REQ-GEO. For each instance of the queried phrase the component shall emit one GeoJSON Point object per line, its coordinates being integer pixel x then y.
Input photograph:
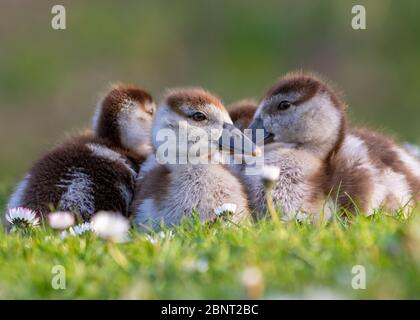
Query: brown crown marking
{"type": "Point", "coordinates": [243, 108]}
{"type": "Point", "coordinates": [112, 105]}
{"type": "Point", "coordinates": [195, 97]}
{"type": "Point", "coordinates": [242, 112]}
{"type": "Point", "coordinates": [306, 83]}
{"type": "Point", "coordinates": [120, 93]}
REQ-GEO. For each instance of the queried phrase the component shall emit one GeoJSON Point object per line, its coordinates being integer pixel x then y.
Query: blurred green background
{"type": "Point", "coordinates": [50, 80]}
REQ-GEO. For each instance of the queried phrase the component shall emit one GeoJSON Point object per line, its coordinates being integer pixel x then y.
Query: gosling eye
{"type": "Point", "coordinates": [199, 116]}
{"type": "Point", "coordinates": [284, 105]}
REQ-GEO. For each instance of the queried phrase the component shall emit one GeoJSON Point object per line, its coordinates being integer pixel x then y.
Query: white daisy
{"type": "Point", "coordinates": [225, 208]}
{"type": "Point", "coordinates": [161, 235]}
{"type": "Point", "coordinates": [253, 281]}
{"type": "Point", "coordinates": [251, 276]}
{"type": "Point", "coordinates": [301, 216]}
{"type": "Point", "coordinates": [81, 228]}
{"type": "Point", "coordinates": [200, 265]}
{"type": "Point", "coordinates": [270, 173]}
{"type": "Point", "coordinates": [22, 217]}
{"type": "Point", "coordinates": [77, 230]}
{"type": "Point", "coordinates": [166, 234]}
{"type": "Point", "coordinates": [153, 240]}
{"type": "Point", "coordinates": [61, 220]}
{"type": "Point", "coordinates": [63, 235]}
{"type": "Point", "coordinates": [111, 226]}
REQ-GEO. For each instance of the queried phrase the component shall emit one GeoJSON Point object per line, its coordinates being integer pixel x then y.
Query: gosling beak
{"type": "Point", "coordinates": [259, 133]}
{"type": "Point", "coordinates": [233, 140]}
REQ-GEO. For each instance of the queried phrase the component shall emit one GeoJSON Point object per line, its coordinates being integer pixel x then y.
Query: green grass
{"type": "Point", "coordinates": [203, 261]}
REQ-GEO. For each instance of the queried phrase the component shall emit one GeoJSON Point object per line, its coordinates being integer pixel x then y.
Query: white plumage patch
{"type": "Point", "coordinates": [385, 182]}
{"type": "Point", "coordinates": [16, 198]}
{"type": "Point", "coordinates": [397, 185]}
{"type": "Point", "coordinates": [78, 194]}
{"type": "Point", "coordinates": [355, 150]}
{"type": "Point", "coordinates": [357, 155]}
{"type": "Point", "coordinates": [412, 164]}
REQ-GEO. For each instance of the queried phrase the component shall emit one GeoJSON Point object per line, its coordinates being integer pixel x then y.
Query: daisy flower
{"type": "Point", "coordinates": [200, 265]}
{"type": "Point", "coordinates": [81, 228]}
{"type": "Point", "coordinates": [77, 230]}
{"type": "Point", "coordinates": [301, 216]}
{"type": "Point", "coordinates": [160, 236]}
{"type": "Point", "coordinates": [153, 240]}
{"type": "Point", "coordinates": [225, 208]}
{"type": "Point", "coordinates": [253, 281]}
{"type": "Point", "coordinates": [22, 217]}
{"type": "Point", "coordinates": [61, 220]}
{"type": "Point", "coordinates": [111, 226]}
{"type": "Point", "coordinates": [168, 234]}
{"type": "Point", "coordinates": [270, 173]}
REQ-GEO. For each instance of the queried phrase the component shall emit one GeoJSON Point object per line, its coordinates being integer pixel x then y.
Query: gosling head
{"type": "Point", "coordinates": [302, 110]}
{"type": "Point", "coordinates": [124, 116]}
{"type": "Point", "coordinates": [195, 122]}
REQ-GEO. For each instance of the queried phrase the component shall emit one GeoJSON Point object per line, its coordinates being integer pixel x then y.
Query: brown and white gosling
{"type": "Point", "coordinates": [322, 160]}
{"type": "Point", "coordinates": [96, 170]}
{"type": "Point", "coordinates": [170, 191]}
{"type": "Point", "coordinates": [242, 112]}
{"type": "Point", "coordinates": [302, 120]}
